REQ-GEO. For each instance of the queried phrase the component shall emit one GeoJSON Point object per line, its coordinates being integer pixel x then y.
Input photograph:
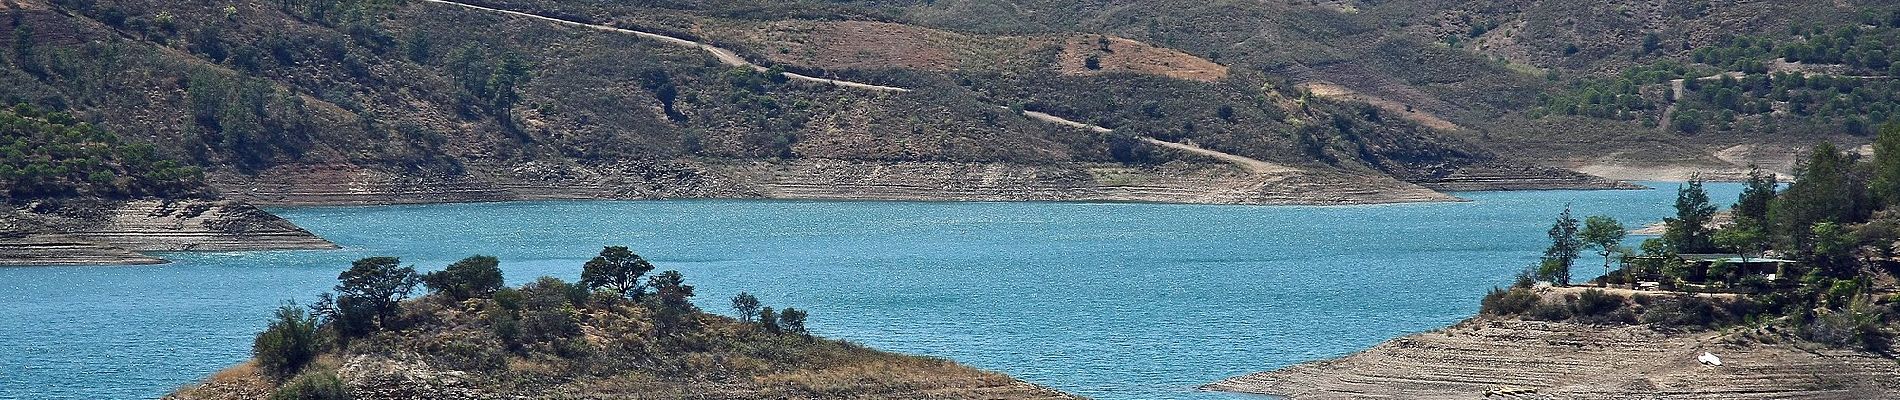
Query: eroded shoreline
{"type": "Point", "coordinates": [1565, 360]}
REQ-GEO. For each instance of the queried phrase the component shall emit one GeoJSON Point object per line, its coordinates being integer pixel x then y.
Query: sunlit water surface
{"type": "Point", "coordinates": [1112, 301]}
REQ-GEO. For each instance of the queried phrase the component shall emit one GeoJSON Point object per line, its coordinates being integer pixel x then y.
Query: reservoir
{"type": "Point", "coordinates": [1111, 301]}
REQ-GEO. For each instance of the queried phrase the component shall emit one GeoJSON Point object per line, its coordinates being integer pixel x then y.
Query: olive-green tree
{"type": "Point", "coordinates": [1757, 191]}
{"type": "Point", "coordinates": [746, 306]}
{"type": "Point", "coordinates": [1824, 190]}
{"type": "Point", "coordinates": [1886, 180]}
{"type": "Point", "coordinates": [768, 320]}
{"type": "Point", "coordinates": [792, 321]}
{"type": "Point", "coordinates": [1563, 251]}
{"type": "Point", "coordinates": [376, 285]}
{"type": "Point", "coordinates": [473, 277]}
{"type": "Point", "coordinates": [1603, 233]}
{"type": "Point", "coordinates": [617, 269]}
{"type": "Point", "coordinates": [1745, 237]}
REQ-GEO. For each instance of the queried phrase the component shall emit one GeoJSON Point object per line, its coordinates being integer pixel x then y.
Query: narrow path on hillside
{"type": "Point", "coordinates": [732, 58]}
{"type": "Point", "coordinates": [1252, 165]}
{"type": "Point", "coordinates": [725, 56]}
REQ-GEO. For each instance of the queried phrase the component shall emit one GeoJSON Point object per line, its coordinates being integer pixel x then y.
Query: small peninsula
{"type": "Point", "coordinates": [72, 193]}
{"type": "Point", "coordinates": [618, 332]}
{"type": "Point", "coordinates": [1792, 295]}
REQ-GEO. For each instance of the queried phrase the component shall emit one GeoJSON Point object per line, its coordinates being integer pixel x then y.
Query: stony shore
{"type": "Point", "coordinates": [1562, 360]}
{"type": "Point", "coordinates": [95, 232]}
{"type": "Point", "coordinates": [864, 180]}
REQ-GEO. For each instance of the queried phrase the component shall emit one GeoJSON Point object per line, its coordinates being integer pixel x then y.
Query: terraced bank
{"type": "Point", "coordinates": [1561, 360]}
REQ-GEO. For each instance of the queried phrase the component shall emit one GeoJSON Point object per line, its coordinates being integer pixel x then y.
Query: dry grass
{"type": "Point", "coordinates": [1128, 55]}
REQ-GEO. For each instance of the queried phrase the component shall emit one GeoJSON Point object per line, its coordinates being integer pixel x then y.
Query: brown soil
{"type": "Point", "coordinates": [862, 45]}
{"type": "Point", "coordinates": [1128, 55]}
{"type": "Point", "coordinates": [1421, 117]}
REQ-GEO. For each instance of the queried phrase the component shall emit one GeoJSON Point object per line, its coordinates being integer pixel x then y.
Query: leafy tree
{"type": "Point", "coordinates": [746, 305]}
{"type": "Point", "coordinates": [1886, 181]}
{"type": "Point", "coordinates": [288, 344]}
{"type": "Point", "coordinates": [377, 285]}
{"type": "Point", "coordinates": [473, 277]}
{"type": "Point", "coordinates": [1745, 237]}
{"type": "Point", "coordinates": [1603, 233]}
{"type": "Point", "coordinates": [792, 321]}
{"type": "Point", "coordinates": [1833, 249]}
{"type": "Point", "coordinates": [1563, 251]}
{"type": "Point", "coordinates": [1757, 191]}
{"type": "Point", "coordinates": [1688, 232]}
{"type": "Point", "coordinates": [618, 269]}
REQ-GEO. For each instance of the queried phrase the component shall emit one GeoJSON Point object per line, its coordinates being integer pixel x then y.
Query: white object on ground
{"type": "Point", "coordinates": [1709, 359]}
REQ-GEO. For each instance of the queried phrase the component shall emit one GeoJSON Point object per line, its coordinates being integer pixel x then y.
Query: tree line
{"type": "Point", "coordinates": [1838, 222]}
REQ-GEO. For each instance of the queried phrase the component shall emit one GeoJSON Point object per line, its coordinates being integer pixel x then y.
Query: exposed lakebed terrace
{"type": "Point", "coordinates": [1111, 301]}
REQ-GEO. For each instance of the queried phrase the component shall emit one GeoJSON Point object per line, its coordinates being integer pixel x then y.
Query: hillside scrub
{"type": "Point", "coordinates": [1852, 89]}
{"type": "Point", "coordinates": [51, 155]}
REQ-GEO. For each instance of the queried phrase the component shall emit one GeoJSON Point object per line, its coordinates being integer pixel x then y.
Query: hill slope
{"type": "Point", "coordinates": [333, 101]}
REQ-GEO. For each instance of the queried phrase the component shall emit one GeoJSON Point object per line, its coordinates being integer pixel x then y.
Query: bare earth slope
{"type": "Point", "coordinates": [1562, 360]}
{"type": "Point", "coordinates": [114, 232]}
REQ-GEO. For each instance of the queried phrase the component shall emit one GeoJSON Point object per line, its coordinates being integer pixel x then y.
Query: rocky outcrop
{"type": "Point", "coordinates": [1561, 360]}
{"type": "Point", "coordinates": [100, 232]}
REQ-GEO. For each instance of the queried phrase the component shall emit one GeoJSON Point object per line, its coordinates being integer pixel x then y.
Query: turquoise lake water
{"type": "Point", "coordinates": [1112, 301]}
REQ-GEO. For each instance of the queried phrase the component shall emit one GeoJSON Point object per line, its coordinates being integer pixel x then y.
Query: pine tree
{"type": "Point", "coordinates": [1689, 232]}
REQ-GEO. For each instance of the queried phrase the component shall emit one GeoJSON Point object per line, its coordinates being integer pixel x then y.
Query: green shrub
{"type": "Point", "coordinates": [1596, 302]}
{"type": "Point", "coordinates": [314, 385]}
{"type": "Point", "coordinates": [1682, 311]}
{"type": "Point", "coordinates": [288, 344]}
{"type": "Point", "coordinates": [1508, 302]}
{"type": "Point", "coordinates": [1861, 326]}
{"type": "Point", "coordinates": [508, 298]}
{"type": "Point", "coordinates": [547, 310]}
{"type": "Point", "coordinates": [1549, 311]}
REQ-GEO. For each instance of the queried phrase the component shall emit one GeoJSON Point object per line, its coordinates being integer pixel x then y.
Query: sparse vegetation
{"type": "Point", "coordinates": [539, 338]}
{"type": "Point", "coordinates": [52, 155]}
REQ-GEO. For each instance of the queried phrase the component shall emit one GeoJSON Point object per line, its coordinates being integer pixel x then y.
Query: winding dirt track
{"type": "Point", "coordinates": [725, 56]}
{"type": "Point", "coordinates": [1252, 165]}
{"type": "Point", "coordinates": [732, 58]}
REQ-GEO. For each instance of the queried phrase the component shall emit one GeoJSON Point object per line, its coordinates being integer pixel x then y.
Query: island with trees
{"type": "Point", "coordinates": [618, 332]}
{"type": "Point", "coordinates": [1790, 293]}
